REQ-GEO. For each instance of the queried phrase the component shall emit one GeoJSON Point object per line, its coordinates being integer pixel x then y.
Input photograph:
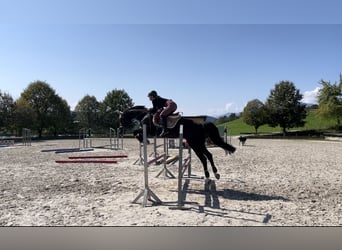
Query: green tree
{"type": "Point", "coordinates": [284, 108]}
{"type": "Point", "coordinates": [330, 100]}
{"type": "Point", "coordinates": [7, 107]}
{"type": "Point", "coordinates": [87, 112]}
{"type": "Point", "coordinates": [44, 102]}
{"type": "Point", "coordinates": [115, 102]}
{"type": "Point", "coordinates": [254, 114]}
{"type": "Point", "coordinates": [59, 115]}
{"type": "Point", "coordinates": [24, 116]}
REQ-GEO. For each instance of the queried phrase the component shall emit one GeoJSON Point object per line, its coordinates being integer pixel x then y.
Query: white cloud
{"type": "Point", "coordinates": [229, 107]}
{"type": "Point", "coordinates": [311, 96]}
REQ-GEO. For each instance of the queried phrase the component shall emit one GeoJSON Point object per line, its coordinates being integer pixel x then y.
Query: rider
{"type": "Point", "coordinates": [166, 106]}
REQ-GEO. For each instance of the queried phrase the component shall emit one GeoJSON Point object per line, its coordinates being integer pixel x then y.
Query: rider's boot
{"type": "Point", "coordinates": [164, 125]}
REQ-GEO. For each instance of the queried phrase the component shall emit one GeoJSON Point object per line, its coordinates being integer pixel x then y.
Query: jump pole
{"type": "Point", "coordinates": [73, 150]}
{"type": "Point", "coordinates": [98, 157]}
{"type": "Point", "coordinates": [26, 133]}
{"type": "Point", "coordinates": [180, 167]}
{"type": "Point", "coordinates": [165, 170]}
{"type": "Point", "coordinates": [140, 160]}
{"type": "Point", "coordinates": [114, 138]}
{"type": "Point", "coordinates": [146, 193]}
{"type": "Point", "coordinates": [85, 161]}
{"type": "Point", "coordinates": [187, 164]}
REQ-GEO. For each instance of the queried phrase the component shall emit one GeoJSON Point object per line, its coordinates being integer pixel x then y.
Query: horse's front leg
{"type": "Point", "coordinates": [138, 133]}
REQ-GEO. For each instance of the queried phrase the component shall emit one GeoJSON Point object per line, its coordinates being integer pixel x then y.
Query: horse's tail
{"type": "Point", "coordinates": [214, 135]}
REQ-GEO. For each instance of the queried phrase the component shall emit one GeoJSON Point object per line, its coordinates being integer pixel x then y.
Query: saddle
{"type": "Point", "coordinates": [171, 120]}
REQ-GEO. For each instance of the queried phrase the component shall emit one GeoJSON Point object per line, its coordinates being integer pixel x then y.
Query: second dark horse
{"type": "Point", "coordinates": [194, 133]}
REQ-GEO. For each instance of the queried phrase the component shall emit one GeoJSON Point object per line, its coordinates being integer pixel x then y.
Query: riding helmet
{"type": "Point", "coordinates": [153, 93]}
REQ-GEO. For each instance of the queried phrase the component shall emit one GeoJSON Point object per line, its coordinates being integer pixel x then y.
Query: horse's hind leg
{"type": "Point", "coordinates": [203, 154]}
{"type": "Point", "coordinates": [203, 159]}
{"type": "Point", "coordinates": [211, 160]}
{"type": "Point", "coordinates": [229, 149]}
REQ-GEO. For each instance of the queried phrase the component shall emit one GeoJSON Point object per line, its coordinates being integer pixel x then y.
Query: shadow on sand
{"type": "Point", "coordinates": [210, 191]}
{"type": "Point", "coordinates": [212, 202]}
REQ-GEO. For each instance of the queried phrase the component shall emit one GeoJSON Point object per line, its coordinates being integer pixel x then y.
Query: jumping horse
{"type": "Point", "coordinates": [194, 133]}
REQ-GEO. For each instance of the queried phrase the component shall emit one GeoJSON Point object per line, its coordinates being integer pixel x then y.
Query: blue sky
{"type": "Point", "coordinates": [211, 57]}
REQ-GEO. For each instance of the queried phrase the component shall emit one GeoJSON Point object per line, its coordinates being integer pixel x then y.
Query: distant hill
{"type": "Point", "coordinates": [226, 114]}
{"type": "Point", "coordinates": [313, 122]}
{"type": "Point", "coordinates": [211, 118]}
{"type": "Point", "coordinates": [309, 105]}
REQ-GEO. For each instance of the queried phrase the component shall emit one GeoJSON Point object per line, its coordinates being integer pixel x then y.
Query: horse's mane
{"type": "Point", "coordinates": [137, 107]}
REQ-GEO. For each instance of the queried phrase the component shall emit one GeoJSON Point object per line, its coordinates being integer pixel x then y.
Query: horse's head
{"type": "Point", "coordinates": [131, 114]}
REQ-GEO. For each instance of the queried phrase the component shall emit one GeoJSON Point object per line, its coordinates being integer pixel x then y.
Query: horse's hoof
{"type": "Point", "coordinates": [230, 152]}
{"type": "Point", "coordinates": [206, 174]}
{"type": "Point", "coordinates": [217, 176]}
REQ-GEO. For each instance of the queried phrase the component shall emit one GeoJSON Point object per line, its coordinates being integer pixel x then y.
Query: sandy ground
{"type": "Point", "coordinates": [265, 183]}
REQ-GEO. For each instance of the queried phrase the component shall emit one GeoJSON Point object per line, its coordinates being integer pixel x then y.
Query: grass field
{"type": "Point", "coordinates": [313, 122]}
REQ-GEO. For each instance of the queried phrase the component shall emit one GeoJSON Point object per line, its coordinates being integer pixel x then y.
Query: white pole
{"type": "Point", "coordinates": [147, 192]}
{"type": "Point", "coordinates": [145, 156]}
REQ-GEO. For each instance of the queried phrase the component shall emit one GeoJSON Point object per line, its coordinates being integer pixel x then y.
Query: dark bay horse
{"type": "Point", "coordinates": [194, 133]}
